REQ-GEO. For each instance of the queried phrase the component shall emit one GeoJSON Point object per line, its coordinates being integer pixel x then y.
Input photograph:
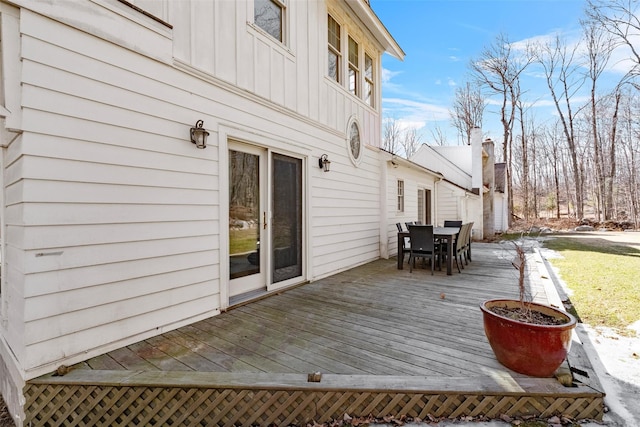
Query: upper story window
{"type": "Point", "coordinates": [350, 63]}
{"type": "Point", "coordinates": [335, 54]}
{"type": "Point", "coordinates": [369, 97]}
{"type": "Point", "coordinates": [269, 15]}
{"type": "Point", "coordinates": [354, 68]}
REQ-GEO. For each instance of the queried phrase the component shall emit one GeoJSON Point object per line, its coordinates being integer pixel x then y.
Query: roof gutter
{"type": "Point", "coordinates": [400, 161]}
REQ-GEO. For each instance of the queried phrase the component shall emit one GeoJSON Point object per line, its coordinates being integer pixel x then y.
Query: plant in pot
{"type": "Point", "coordinates": [529, 338]}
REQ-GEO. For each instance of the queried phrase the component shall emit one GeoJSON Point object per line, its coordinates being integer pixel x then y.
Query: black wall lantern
{"type": "Point", "coordinates": [199, 135]}
{"type": "Point", "coordinates": [324, 163]}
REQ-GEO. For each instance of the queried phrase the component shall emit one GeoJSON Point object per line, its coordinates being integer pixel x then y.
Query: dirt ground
{"type": "Point", "coordinates": [569, 225]}
{"type": "Point", "coordinates": [5, 418]}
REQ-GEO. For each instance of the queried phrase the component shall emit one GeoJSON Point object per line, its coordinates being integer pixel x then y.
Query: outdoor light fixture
{"type": "Point", "coordinates": [393, 161]}
{"type": "Point", "coordinates": [324, 163]}
{"type": "Point", "coordinates": [199, 135]}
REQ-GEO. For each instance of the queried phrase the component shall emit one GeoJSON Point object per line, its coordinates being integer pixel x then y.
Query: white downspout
{"type": "Point", "coordinates": [384, 217]}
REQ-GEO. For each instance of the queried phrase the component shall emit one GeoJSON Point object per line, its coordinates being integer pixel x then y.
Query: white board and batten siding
{"type": "Point", "coordinates": [343, 205]}
{"type": "Point", "coordinates": [115, 223]}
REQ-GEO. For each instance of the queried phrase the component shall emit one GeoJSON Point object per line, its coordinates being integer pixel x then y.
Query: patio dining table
{"type": "Point", "coordinates": [447, 234]}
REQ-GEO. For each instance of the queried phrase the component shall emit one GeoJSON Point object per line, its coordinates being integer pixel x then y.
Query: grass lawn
{"type": "Point", "coordinates": [243, 240]}
{"type": "Point", "coordinates": [603, 278]}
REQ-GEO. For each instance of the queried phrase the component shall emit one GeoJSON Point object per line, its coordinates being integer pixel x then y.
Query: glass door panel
{"type": "Point", "coordinates": [245, 226]}
{"type": "Point", "coordinates": [286, 230]}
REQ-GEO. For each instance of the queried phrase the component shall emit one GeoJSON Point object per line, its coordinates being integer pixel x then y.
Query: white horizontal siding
{"type": "Point", "coordinates": [47, 191]}
{"type": "Point", "coordinates": [449, 202]}
{"type": "Point", "coordinates": [96, 275]}
{"type": "Point", "coordinates": [14, 279]}
{"type": "Point", "coordinates": [113, 332]}
{"type": "Point", "coordinates": [93, 255]}
{"type": "Point", "coordinates": [58, 169]}
{"type": "Point", "coordinates": [44, 305]}
{"type": "Point", "coordinates": [12, 310]}
{"type": "Point", "coordinates": [413, 180]}
{"type": "Point", "coordinates": [159, 8]}
{"type": "Point", "coordinates": [70, 322]}
{"type": "Point", "coordinates": [59, 213]}
{"type": "Point", "coordinates": [345, 213]}
{"type": "Point", "coordinates": [105, 191]}
{"type": "Point", "coordinates": [60, 236]}
{"type": "Point", "coordinates": [115, 212]}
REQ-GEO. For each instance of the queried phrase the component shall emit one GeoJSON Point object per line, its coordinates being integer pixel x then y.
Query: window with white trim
{"type": "Point", "coordinates": [269, 15]}
{"type": "Point", "coordinates": [369, 93]}
{"type": "Point", "coordinates": [351, 61]}
{"type": "Point", "coordinates": [354, 67]}
{"type": "Point", "coordinates": [335, 53]}
{"type": "Point", "coordinates": [400, 195]}
{"type": "Point", "coordinates": [355, 144]}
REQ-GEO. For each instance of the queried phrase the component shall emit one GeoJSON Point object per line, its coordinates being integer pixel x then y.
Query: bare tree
{"type": "Point", "coordinates": [621, 19]}
{"type": "Point", "coordinates": [599, 46]}
{"type": "Point", "coordinates": [552, 152]}
{"type": "Point", "coordinates": [410, 141]}
{"type": "Point", "coordinates": [524, 150]}
{"type": "Point", "coordinates": [397, 140]}
{"type": "Point", "coordinates": [439, 138]}
{"type": "Point", "coordinates": [498, 69]}
{"type": "Point", "coordinates": [630, 153]}
{"type": "Point", "coordinates": [611, 173]}
{"type": "Point", "coordinates": [561, 70]}
{"type": "Point", "coordinates": [468, 109]}
{"type": "Point", "coordinates": [391, 135]}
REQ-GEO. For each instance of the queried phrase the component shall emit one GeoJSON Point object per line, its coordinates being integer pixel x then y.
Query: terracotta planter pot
{"type": "Point", "coordinates": [530, 349]}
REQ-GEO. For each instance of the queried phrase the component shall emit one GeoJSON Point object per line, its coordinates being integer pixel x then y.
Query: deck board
{"type": "Point", "coordinates": [369, 332]}
{"type": "Point", "coordinates": [373, 319]}
{"type": "Point", "coordinates": [395, 342]}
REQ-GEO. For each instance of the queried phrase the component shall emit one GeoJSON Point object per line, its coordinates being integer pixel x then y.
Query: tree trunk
{"type": "Point", "coordinates": [608, 210]}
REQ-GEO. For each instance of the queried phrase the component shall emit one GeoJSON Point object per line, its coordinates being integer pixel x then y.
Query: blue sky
{"type": "Point", "coordinates": [440, 37]}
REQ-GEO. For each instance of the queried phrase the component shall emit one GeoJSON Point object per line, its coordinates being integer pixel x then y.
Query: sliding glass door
{"type": "Point", "coordinates": [265, 218]}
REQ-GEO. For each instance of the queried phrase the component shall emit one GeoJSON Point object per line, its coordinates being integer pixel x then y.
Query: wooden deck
{"type": "Point", "coordinates": [385, 342]}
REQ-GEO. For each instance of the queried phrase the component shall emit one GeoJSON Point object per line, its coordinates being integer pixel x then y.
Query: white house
{"type": "Point", "coordinates": [467, 190]}
{"type": "Point", "coordinates": [411, 194]}
{"type": "Point", "coordinates": [442, 183]}
{"type": "Point", "coordinates": [114, 226]}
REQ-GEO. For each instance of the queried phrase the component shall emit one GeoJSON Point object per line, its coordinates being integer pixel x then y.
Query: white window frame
{"type": "Point", "coordinates": [283, 21]}
{"type": "Point", "coordinates": [351, 125]}
{"type": "Point", "coordinates": [337, 51]}
{"type": "Point", "coordinates": [369, 92]}
{"type": "Point", "coordinates": [400, 187]}
{"type": "Point", "coordinates": [353, 82]}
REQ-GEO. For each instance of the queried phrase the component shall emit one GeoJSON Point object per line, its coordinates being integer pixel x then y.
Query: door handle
{"type": "Point", "coordinates": [264, 220]}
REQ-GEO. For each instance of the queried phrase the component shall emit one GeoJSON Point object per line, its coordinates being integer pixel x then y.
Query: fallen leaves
{"type": "Point", "coordinates": [348, 420]}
